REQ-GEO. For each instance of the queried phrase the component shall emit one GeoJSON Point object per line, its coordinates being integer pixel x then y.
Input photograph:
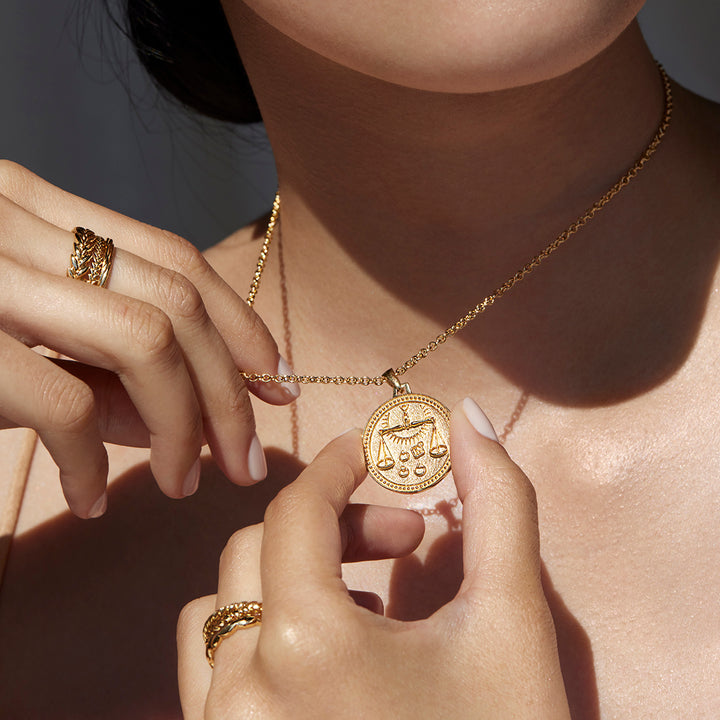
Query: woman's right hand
{"type": "Point", "coordinates": [321, 650]}
{"type": "Point", "coordinates": [153, 358]}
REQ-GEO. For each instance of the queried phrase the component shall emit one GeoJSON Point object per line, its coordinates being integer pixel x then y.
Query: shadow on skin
{"type": "Point", "coordinates": [576, 656]}
{"type": "Point", "coordinates": [595, 325]}
{"type": "Point", "coordinates": [418, 589]}
{"type": "Point", "coordinates": [90, 607]}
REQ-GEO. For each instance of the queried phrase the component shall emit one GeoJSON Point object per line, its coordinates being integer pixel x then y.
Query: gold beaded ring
{"type": "Point", "coordinates": [225, 621]}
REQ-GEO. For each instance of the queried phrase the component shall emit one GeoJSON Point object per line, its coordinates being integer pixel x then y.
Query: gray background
{"type": "Point", "coordinates": [67, 115]}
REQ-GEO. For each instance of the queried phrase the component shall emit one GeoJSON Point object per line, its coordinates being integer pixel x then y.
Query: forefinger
{"type": "Point", "coordinates": [302, 545]}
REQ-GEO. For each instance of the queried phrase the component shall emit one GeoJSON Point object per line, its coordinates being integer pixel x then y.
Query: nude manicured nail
{"type": "Point", "coordinates": [192, 480]}
{"type": "Point", "coordinates": [257, 465]}
{"type": "Point", "coordinates": [478, 419]}
{"type": "Point", "coordinates": [293, 389]}
{"type": "Point", "coordinates": [99, 508]}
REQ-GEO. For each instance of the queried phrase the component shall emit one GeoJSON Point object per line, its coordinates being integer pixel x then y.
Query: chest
{"type": "Point", "coordinates": [629, 541]}
{"type": "Point", "coordinates": [630, 546]}
{"type": "Point", "coordinates": [628, 509]}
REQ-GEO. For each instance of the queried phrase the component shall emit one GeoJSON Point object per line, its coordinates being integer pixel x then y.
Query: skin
{"type": "Point", "coordinates": [142, 375]}
{"type": "Point", "coordinates": [460, 47]}
{"type": "Point", "coordinates": [286, 667]}
{"type": "Point", "coordinates": [346, 142]}
{"type": "Point", "coordinates": [613, 341]}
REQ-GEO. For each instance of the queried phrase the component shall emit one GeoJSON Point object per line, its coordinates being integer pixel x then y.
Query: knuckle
{"type": "Point", "coordinates": [250, 325]}
{"type": "Point", "coordinates": [294, 642]}
{"type": "Point", "coordinates": [515, 489]}
{"type": "Point", "coordinates": [238, 401]}
{"type": "Point", "coordinates": [181, 298]}
{"type": "Point", "coordinates": [297, 646]}
{"type": "Point", "coordinates": [68, 404]}
{"type": "Point", "coordinates": [182, 255]}
{"type": "Point", "coordinates": [510, 486]}
{"type": "Point", "coordinates": [240, 544]}
{"type": "Point", "coordinates": [147, 328]}
{"type": "Point", "coordinates": [340, 468]}
{"type": "Point", "coordinates": [12, 177]}
{"type": "Point", "coordinates": [284, 506]}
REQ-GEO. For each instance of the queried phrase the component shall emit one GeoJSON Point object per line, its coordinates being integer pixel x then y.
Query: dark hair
{"type": "Point", "coordinates": [188, 49]}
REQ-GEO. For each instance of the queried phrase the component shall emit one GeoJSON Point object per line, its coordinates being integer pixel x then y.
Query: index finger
{"type": "Point", "coordinates": [302, 545]}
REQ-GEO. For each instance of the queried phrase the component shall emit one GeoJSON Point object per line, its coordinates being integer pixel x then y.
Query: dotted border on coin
{"type": "Point", "coordinates": [367, 434]}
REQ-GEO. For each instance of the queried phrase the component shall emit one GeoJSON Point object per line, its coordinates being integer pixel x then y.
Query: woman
{"type": "Point", "coordinates": [424, 156]}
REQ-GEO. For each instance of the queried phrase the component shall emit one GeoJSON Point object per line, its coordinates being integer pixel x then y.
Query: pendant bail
{"type": "Point", "coordinates": [398, 387]}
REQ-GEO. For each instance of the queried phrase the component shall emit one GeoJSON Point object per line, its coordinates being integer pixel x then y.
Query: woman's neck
{"type": "Point", "coordinates": [392, 194]}
{"type": "Point", "coordinates": [366, 157]}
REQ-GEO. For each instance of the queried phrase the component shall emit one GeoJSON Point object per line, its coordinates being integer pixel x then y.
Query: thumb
{"type": "Point", "coordinates": [500, 526]}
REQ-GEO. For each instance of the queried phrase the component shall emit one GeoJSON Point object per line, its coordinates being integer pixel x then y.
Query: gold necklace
{"type": "Point", "coordinates": [406, 439]}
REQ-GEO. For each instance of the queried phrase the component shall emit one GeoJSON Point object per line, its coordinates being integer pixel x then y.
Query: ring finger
{"type": "Point", "coordinates": [239, 581]}
{"type": "Point", "coordinates": [194, 673]}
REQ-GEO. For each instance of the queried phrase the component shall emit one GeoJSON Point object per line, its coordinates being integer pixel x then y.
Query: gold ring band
{"type": "Point", "coordinates": [92, 257]}
{"type": "Point", "coordinates": [225, 621]}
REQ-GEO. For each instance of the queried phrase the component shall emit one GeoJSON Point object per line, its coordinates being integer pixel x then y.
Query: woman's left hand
{"type": "Point", "coordinates": [323, 652]}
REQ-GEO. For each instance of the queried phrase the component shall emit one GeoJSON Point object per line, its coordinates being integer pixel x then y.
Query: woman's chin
{"type": "Point", "coordinates": [462, 47]}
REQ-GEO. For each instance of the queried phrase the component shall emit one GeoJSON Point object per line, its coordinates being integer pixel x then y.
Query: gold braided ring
{"type": "Point", "coordinates": [225, 621]}
{"type": "Point", "coordinates": [92, 257]}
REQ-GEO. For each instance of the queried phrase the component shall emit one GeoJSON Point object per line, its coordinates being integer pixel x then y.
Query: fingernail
{"type": "Point", "coordinates": [293, 389]}
{"type": "Point", "coordinates": [478, 419]}
{"type": "Point", "coordinates": [99, 508]}
{"type": "Point", "coordinates": [192, 480]}
{"type": "Point", "coordinates": [257, 465]}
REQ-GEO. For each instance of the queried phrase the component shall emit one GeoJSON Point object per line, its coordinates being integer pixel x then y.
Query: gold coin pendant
{"type": "Point", "coordinates": [406, 443]}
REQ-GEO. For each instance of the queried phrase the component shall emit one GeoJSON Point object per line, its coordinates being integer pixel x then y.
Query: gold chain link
{"type": "Point", "coordinates": [486, 302]}
{"type": "Point", "coordinates": [269, 232]}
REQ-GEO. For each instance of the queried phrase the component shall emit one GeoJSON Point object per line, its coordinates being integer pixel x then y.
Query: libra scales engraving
{"type": "Point", "coordinates": [407, 443]}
